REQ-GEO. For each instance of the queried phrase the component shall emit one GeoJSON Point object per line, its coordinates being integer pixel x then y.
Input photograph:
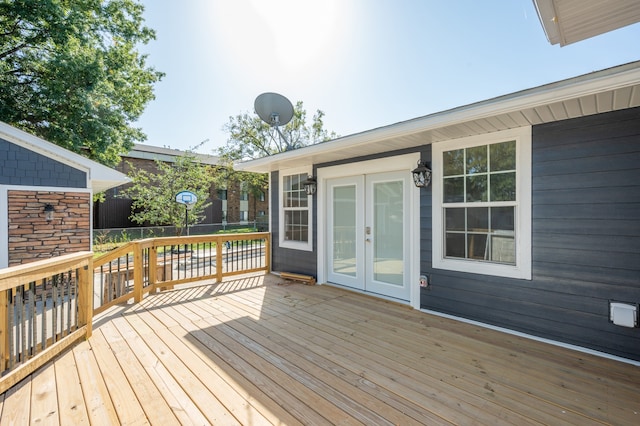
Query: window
{"type": "Point", "coordinates": [244, 191]}
{"type": "Point", "coordinates": [222, 194]}
{"type": "Point", "coordinates": [295, 212]}
{"type": "Point", "coordinates": [261, 196]}
{"type": "Point", "coordinates": [482, 204]}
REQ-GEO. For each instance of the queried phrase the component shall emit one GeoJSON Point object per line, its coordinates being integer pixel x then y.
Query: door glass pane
{"type": "Point", "coordinates": [388, 232]}
{"type": "Point", "coordinates": [344, 230]}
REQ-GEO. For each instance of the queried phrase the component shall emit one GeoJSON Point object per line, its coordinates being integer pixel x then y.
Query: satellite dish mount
{"type": "Point", "coordinates": [276, 111]}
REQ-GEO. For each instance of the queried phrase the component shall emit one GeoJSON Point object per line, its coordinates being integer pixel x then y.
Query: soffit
{"type": "Point", "coordinates": [569, 21]}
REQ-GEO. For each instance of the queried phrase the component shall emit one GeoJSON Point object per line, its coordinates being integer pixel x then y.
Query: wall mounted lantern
{"type": "Point", "coordinates": [48, 212]}
{"type": "Point", "coordinates": [310, 185]}
{"type": "Point", "coordinates": [421, 175]}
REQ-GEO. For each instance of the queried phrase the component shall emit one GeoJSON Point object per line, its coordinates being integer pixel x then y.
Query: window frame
{"type": "Point", "coordinates": [522, 219]}
{"type": "Point", "coordinates": [296, 245]}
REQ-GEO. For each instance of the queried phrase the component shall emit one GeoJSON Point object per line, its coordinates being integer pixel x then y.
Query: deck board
{"type": "Point", "coordinates": [259, 350]}
{"type": "Point", "coordinates": [44, 398]}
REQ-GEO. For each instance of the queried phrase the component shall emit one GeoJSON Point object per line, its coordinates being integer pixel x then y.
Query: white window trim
{"type": "Point", "coordinates": [296, 245]}
{"type": "Point", "coordinates": [522, 268]}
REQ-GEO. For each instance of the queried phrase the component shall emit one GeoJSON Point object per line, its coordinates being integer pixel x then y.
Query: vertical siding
{"type": "Point", "coordinates": [586, 241]}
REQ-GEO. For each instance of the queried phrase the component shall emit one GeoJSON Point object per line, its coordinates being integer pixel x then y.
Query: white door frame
{"type": "Point", "coordinates": [406, 163]}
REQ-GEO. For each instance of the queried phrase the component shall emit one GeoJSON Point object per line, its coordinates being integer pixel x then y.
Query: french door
{"type": "Point", "coordinates": [368, 233]}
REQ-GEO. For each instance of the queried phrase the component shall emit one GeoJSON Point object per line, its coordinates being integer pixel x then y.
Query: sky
{"type": "Point", "coordinates": [364, 63]}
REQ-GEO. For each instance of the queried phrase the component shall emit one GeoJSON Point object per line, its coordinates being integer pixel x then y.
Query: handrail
{"type": "Point", "coordinates": [48, 305]}
{"type": "Point", "coordinates": [146, 266]}
{"type": "Point", "coordinates": [45, 307]}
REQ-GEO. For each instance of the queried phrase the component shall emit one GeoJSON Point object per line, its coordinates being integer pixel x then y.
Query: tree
{"type": "Point", "coordinates": [70, 73]}
{"type": "Point", "coordinates": [154, 194]}
{"type": "Point", "coordinates": [250, 138]}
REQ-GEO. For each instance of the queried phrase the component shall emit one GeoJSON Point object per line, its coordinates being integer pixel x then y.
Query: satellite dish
{"type": "Point", "coordinates": [273, 109]}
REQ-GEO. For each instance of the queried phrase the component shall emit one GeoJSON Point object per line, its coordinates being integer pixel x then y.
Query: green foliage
{"type": "Point", "coordinates": [154, 194]}
{"type": "Point", "coordinates": [70, 73]}
{"type": "Point", "coordinates": [250, 138]}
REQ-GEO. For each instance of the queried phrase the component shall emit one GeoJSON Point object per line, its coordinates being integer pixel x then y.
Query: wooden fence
{"type": "Point", "coordinates": [47, 306]}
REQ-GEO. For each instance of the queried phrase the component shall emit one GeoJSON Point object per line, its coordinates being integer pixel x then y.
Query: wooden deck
{"type": "Point", "coordinates": [258, 350]}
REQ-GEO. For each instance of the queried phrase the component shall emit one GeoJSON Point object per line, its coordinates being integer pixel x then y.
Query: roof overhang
{"type": "Point", "coordinates": [569, 21]}
{"type": "Point", "coordinates": [603, 91]}
{"type": "Point", "coordinates": [151, 152]}
{"type": "Point", "coordinates": [100, 177]}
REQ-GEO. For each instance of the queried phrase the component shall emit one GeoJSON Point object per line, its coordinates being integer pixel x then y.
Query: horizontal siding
{"type": "Point", "coordinates": [285, 259]}
{"type": "Point", "coordinates": [586, 241]}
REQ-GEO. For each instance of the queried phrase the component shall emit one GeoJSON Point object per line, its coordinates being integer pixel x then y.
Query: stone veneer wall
{"type": "Point", "coordinates": [32, 238]}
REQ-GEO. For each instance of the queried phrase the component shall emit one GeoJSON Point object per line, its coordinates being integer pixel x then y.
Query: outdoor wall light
{"type": "Point", "coordinates": [48, 212]}
{"type": "Point", "coordinates": [421, 175]}
{"type": "Point", "coordinates": [310, 185]}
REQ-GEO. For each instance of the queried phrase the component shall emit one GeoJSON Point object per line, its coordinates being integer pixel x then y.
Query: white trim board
{"type": "Point", "coordinates": [406, 163]}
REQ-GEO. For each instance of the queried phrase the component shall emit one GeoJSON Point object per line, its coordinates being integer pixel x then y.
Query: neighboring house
{"type": "Point", "coordinates": [531, 221]}
{"type": "Point", "coordinates": [45, 197]}
{"type": "Point", "coordinates": [569, 21]}
{"type": "Point", "coordinates": [233, 204]}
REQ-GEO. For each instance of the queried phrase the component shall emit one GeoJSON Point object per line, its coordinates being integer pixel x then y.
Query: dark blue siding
{"type": "Point", "coordinates": [20, 166]}
{"type": "Point", "coordinates": [586, 241]}
{"type": "Point", "coordinates": [285, 259]}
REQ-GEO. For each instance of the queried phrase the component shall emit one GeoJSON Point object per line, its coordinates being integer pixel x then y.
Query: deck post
{"type": "Point", "coordinates": [137, 272]}
{"type": "Point", "coordinates": [219, 259]}
{"type": "Point", "coordinates": [4, 327]}
{"type": "Point", "coordinates": [153, 267]}
{"type": "Point", "coordinates": [267, 252]}
{"type": "Point", "coordinates": [84, 277]}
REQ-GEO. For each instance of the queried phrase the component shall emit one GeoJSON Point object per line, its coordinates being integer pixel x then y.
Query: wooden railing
{"type": "Point", "coordinates": [145, 266]}
{"type": "Point", "coordinates": [45, 307]}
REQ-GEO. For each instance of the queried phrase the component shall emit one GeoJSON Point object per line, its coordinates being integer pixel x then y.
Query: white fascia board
{"type": "Point", "coordinates": [549, 20]}
{"type": "Point", "coordinates": [99, 177]}
{"type": "Point", "coordinates": [588, 84]}
{"type": "Point", "coordinates": [168, 155]}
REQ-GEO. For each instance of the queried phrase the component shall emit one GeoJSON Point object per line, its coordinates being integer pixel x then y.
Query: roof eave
{"type": "Point", "coordinates": [100, 177]}
{"type": "Point", "coordinates": [595, 82]}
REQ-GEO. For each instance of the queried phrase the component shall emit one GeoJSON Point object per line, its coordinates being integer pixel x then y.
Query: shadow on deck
{"type": "Point", "coordinates": [260, 350]}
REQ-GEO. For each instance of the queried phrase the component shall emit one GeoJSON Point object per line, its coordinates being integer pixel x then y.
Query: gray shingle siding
{"type": "Point", "coordinates": [20, 166]}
